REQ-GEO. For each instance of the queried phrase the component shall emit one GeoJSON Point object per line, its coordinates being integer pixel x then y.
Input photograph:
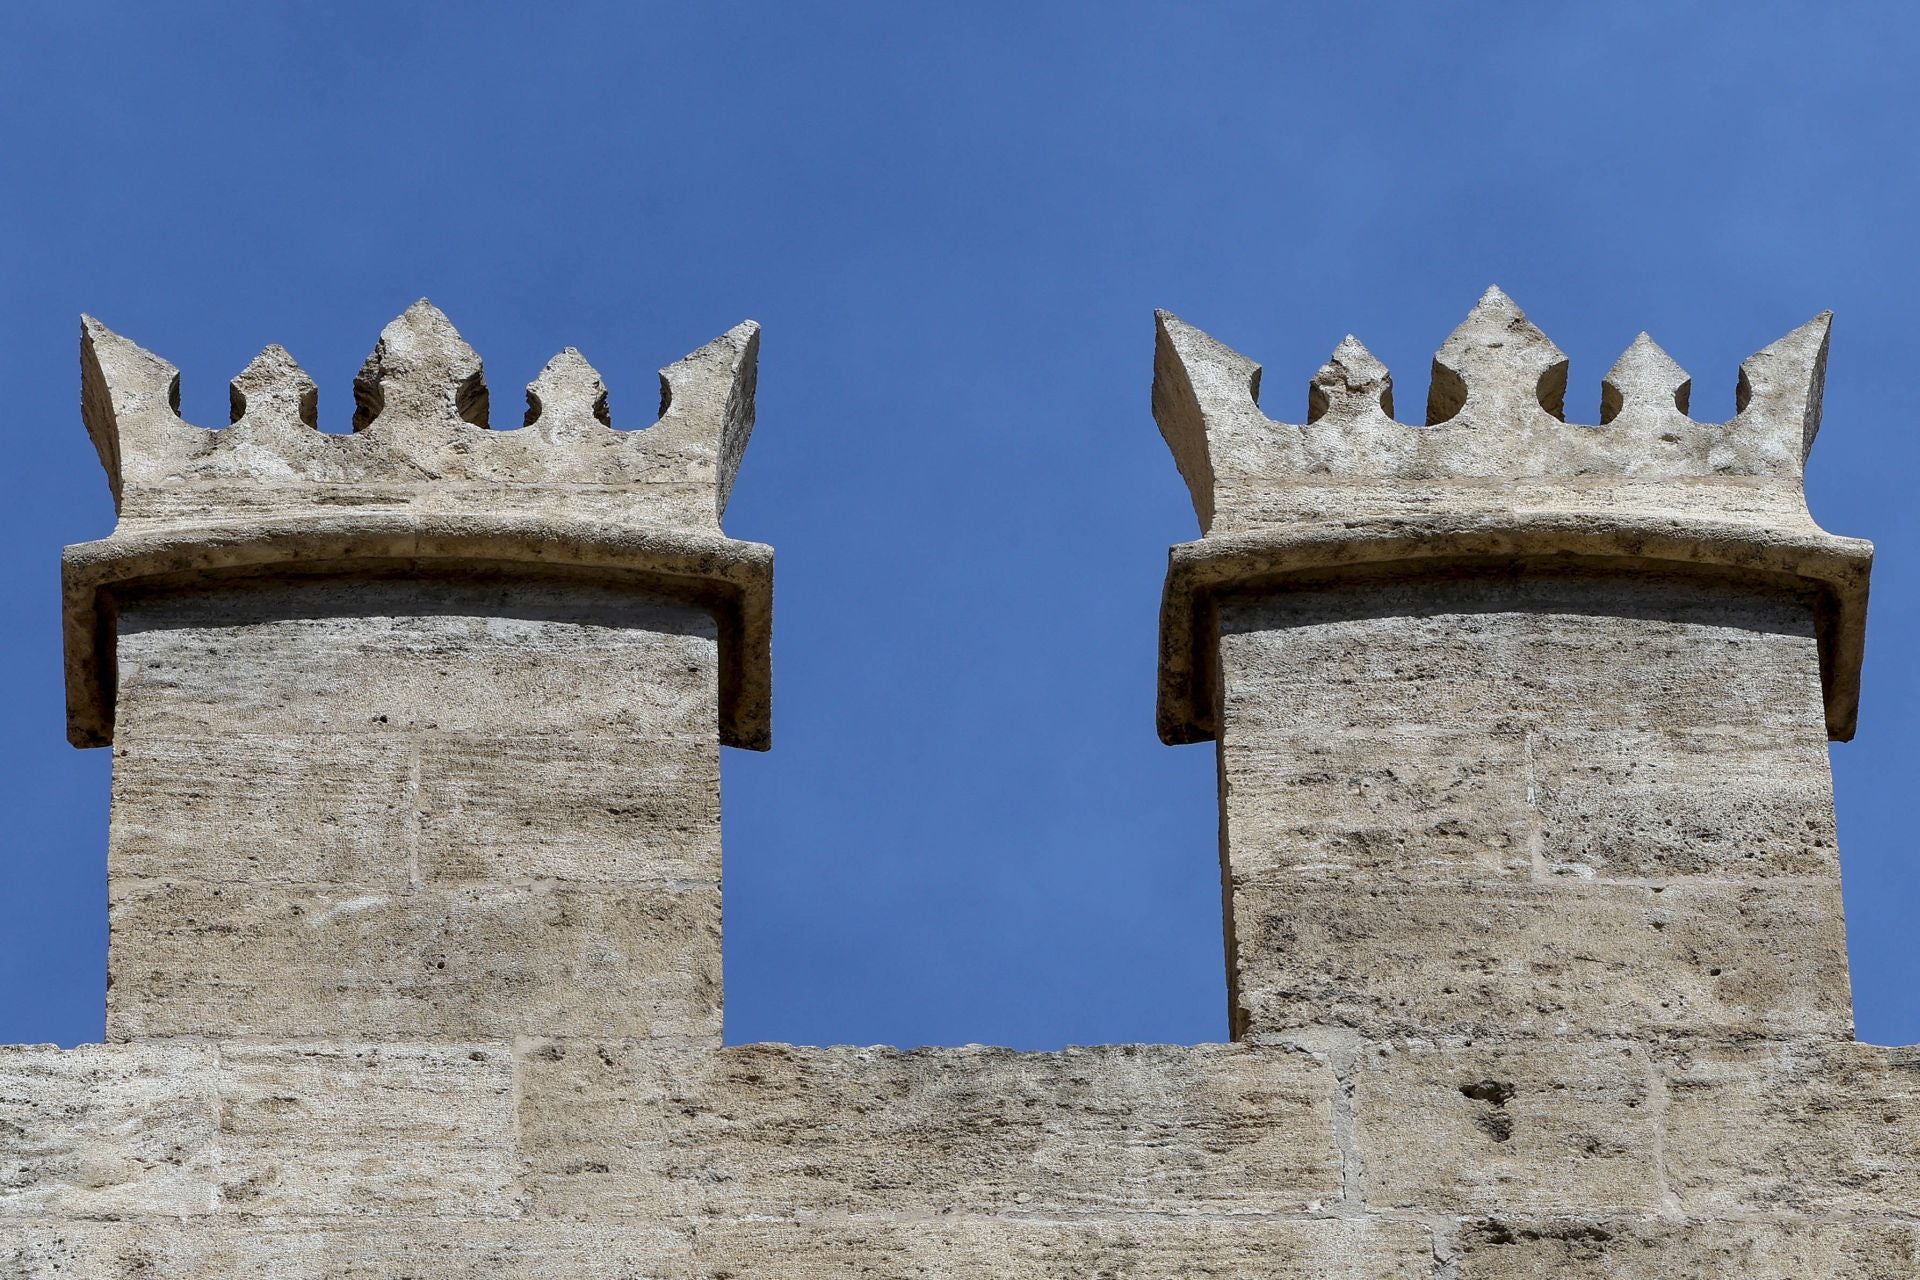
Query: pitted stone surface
{"type": "Point", "coordinates": [620, 1128]}
{"type": "Point", "coordinates": [1549, 803]}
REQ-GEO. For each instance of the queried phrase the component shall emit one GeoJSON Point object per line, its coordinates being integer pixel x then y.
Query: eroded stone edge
{"type": "Point", "coordinates": [1198, 573]}
{"type": "Point", "coordinates": [731, 577]}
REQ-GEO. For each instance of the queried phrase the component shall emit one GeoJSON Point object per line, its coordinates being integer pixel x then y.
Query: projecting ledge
{"type": "Point", "coordinates": [733, 579]}
{"type": "Point", "coordinates": [1832, 569]}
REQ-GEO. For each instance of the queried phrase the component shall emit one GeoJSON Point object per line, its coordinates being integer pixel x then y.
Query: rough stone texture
{"type": "Point", "coordinates": [106, 1131]}
{"type": "Point", "coordinates": [189, 958]}
{"type": "Point", "coordinates": [494, 813]}
{"type": "Point", "coordinates": [1467, 1127]}
{"type": "Point", "coordinates": [1532, 893]}
{"type": "Point", "coordinates": [295, 1121]}
{"type": "Point", "coordinates": [350, 1249]}
{"type": "Point", "coordinates": [1582, 1249]}
{"type": "Point", "coordinates": [1455, 957]}
{"type": "Point", "coordinates": [614, 1129]}
{"type": "Point", "coordinates": [1467, 869]}
{"type": "Point", "coordinates": [989, 1248]}
{"type": "Point", "coordinates": [1824, 1129]}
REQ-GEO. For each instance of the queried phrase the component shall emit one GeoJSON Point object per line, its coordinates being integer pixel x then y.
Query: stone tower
{"type": "Point", "coordinates": [1535, 954]}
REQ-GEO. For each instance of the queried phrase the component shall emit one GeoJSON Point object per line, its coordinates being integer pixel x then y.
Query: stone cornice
{"type": "Point", "coordinates": [1833, 569]}
{"type": "Point", "coordinates": [732, 578]}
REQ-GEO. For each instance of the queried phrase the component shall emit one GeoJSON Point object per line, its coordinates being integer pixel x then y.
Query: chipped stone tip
{"type": "Point", "coordinates": [1199, 385]}
{"type": "Point", "coordinates": [1499, 356]}
{"type": "Point", "coordinates": [1782, 384]}
{"type": "Point", "coordinates": [708, 397]}
{"type": "Point", "coordinates": [274, 388]}
{"type": "Point", "coordinates": [423, 370]}
{"type": "Point", "coordinates": [1644, 377]}
{"type": "Point", "coordinates": [568, 397]}
{"type": "Point", "coordinates": [129, 399]}
{"type": "Point", "coordinates": [1350, 383]}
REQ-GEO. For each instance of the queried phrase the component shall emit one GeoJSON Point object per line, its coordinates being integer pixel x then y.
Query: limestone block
{"type": "Point", "coordinates": [573, 808]}
{"type": "Point", "coordinates": [106, 1130]}
{"type": "Point", "coordinates": [363, 1249]}
{"type": "Point", "coordinates": [373, 657]}
{"type": "Point", "coordinates": [1684, 801]}
{"type": "Point", "coordinates": [1467, 958]}
{"type": "Point", "coordinates": [1329, 803]}
{"type": "Point", "coordinates": [622, 1129]}
{"type": "Point", "coordinates": [313, 808]}
{"type": "Point", "coordinates": [1536, 1127]}
{"type": "Point", "coordinates": [1794, 1129]}
{"type": "Point", "coordinates": [983, 1248]}
{"type": "Point", "coordinates": [1602, 1249]}
{"type": "Point", "coordinates": [464, 964]}
{"type": "Point", "coordinates": [413, 1130]}
{"type": "Point", "coordinates": [1570, 652]}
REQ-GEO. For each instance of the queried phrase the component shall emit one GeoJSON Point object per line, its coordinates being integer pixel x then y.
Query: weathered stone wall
{"type": "Point", "coordinates": [397, 810]}
{"type": "Point", "coordinates": [1535, 946]}
{"type": "Point", "coordinates": [1544, 805]}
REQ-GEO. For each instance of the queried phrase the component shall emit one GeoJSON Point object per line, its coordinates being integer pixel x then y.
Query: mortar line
{"type": "Point", "coordinates": [412, 817]}
{"type": "Point", "coordinates": [1343, 1059]}
{"type": "Point", "coordinates": [1657, 1099]}
{"type": "Point", "coordinates": [1536, 820]}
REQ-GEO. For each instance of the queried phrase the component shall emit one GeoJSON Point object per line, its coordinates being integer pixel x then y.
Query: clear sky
{"type": "Point", "coordinates": [954, 222]}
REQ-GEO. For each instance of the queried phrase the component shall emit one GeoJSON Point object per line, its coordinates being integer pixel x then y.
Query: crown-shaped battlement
{"type": "Point", "coordinates": [422, 486]}
{"type": "Point", "coordinates": [1496, 474]}
{"type": "Point", "coordinates": [421, 437]}
{"type": "Point", "coordinates": [1496, 435]}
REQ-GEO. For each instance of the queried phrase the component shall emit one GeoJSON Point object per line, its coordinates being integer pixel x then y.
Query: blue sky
{"type": "Point", "coordinates": [954, 223]}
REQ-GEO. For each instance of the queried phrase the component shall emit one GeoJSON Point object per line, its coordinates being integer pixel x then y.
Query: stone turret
{"type": "Point", "coordinates": [416, 729]}
{"type": "Point", "coordinates": [1535, 954]}
{"type": "Point", "coordinates": [1522, 724]}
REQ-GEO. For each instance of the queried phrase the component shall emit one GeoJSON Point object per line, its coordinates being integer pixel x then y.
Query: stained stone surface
{"type": "Point", "coordinates": [1535, 951]}
{"type": "Point", "coordinates": [1469, 869]}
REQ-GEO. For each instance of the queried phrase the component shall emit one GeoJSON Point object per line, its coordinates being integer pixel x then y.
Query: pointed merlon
{"type": "Point", "coordinates": [1352, 382]}
{"type": "Point", "coordinates": [1644, 376]}
{"type": "Point", "coordinates": [706, 400]}
{"type": "Point", "coordinates": [1501, 361]}
{"type": "Point", "coordinates": [421, 371]}
{"type": "Point", "coordinates": [273, 388]}
{"type": "Point", "coordinates": [1201, 387]}
{"type": "Point", "coordinates": [568, 398]}
{"type": "Point", "coordinates": [129, 397]}
{"type": "Point", "coordinates": [1781, 385]}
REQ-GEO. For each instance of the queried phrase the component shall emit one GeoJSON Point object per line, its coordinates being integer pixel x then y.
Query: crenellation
{"type": "Point", "coordinates": [1496, 436]}
{"type": "Point", "coordinates": [421, 440]}
{"type": "Point", "coordinates": [1536, 958]}
{"type": "Point", "coordinates": [1648, 389]}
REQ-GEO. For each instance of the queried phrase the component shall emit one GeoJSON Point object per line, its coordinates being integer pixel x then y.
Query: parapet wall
{"type": "Point", "coordinates": [1535, 955]}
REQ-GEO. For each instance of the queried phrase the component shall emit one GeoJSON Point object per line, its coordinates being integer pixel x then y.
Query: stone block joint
{"type": "Point", "coordinates": [421, 485]}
